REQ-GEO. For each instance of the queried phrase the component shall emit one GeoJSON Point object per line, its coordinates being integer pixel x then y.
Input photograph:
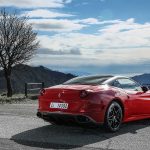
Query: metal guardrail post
{"type": "Point", "coordinates": [26, 92]}
{"type": "Point", "coordinates": [43, 85]}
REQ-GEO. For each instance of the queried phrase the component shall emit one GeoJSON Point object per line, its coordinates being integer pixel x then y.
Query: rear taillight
{"type": "Point", "coordinates": [42, 92]}
{"type": "Point", "coordinates": [83, 94]}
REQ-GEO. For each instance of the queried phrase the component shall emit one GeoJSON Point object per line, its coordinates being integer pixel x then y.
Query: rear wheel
{"type": "Point", "coordinates": [113, 117]}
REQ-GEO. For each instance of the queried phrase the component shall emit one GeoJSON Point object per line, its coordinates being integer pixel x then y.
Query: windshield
{"type": "Point", "coordinates": [88, 80]}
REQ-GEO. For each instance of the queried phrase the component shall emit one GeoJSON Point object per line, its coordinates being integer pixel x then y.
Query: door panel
{"type": "Point", "coordinates": [144, 103]}
{"type": "Point", "coordinates": [140, 102]}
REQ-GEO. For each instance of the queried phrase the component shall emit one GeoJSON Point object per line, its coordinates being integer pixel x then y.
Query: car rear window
{"type": "Point", "coordinates": [88, 80]}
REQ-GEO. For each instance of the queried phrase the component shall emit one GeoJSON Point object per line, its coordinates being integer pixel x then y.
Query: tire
{"type": "Point", "coordinates": [113, 117]}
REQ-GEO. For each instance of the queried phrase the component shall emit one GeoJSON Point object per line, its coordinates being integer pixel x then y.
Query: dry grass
{"type": "Point", "coordinates": [17, 98]}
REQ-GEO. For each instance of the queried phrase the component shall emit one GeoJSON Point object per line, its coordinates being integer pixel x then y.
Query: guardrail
{"type": "Point", "coordinates": [32, 87]}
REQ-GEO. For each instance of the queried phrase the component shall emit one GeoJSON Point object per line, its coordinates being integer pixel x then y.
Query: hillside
{"type": "Point", "coordinates": [143, 78]}
{"type": "Point", "coordinates": [24, 73]}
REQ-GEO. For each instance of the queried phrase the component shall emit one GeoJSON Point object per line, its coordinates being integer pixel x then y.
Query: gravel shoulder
{"type": "Point", "coordinates": [18, 99]}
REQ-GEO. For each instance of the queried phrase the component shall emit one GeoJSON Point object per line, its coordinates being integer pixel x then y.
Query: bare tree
{"type": "Point", "coordinates": [18, 43]}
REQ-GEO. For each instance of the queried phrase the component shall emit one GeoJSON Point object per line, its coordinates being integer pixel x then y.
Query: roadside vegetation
{"type": "Point", "coordinates": [17, 98]}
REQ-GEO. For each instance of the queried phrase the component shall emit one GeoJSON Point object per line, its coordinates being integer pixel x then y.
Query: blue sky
{"type": "Point", "coordinates": [89, 36]}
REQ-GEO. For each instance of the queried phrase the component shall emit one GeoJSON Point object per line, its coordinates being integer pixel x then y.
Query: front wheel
{"type": "Point", "coordinates": [113, 117]}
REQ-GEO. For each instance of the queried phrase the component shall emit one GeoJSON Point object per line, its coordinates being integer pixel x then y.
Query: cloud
{"type": "Point", "coordinates": [126, 25]}
{"type": "Point", "coordinates": [88, 21]}
{"type": "Point", "coordinates": [44, 13]}
{"type": "Point", "coordinates": [55, 25]}
{"type": "Point", "coordinates": [127, 34]}
{"type": "Point", "coordinates": [96, 21]}
{"type": "Point", "coordinates": [45, 51]}
{"type": "Point", "coordinates": [105, 22]}
{"type": "Point", "coordinates": [104, 59]}
{"type": "Point", "coordinates": [123, 42]}
{"type": "Point", "coordinates": [34, 3]}
{"type": "Point", "coordinates": [68, 1]}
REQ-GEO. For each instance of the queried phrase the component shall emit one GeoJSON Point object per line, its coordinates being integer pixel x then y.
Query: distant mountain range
{"type": "Point", "coordinates": [23, 73]}
{"type": "Point", "coordinates": [143, 78]}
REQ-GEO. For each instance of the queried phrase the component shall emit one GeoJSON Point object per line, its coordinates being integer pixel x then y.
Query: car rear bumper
{"type": "Point", "coordinates": [66, 118]}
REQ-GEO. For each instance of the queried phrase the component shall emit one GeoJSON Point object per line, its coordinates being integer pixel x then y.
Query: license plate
{"type": "Point", "coordinates": [59, 105]}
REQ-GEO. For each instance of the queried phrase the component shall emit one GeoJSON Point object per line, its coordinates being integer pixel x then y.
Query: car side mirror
{"type": "Point", "coordinates": [145, 89]}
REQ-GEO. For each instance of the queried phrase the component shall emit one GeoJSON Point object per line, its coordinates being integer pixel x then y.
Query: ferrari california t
{"type": "Point", "coordinates": [107, 100]}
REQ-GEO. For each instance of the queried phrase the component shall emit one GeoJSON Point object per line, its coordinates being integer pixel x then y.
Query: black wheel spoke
{"type": "Point", "coordinates": [118, 117]}
{"type": "Point", "coordinates": [110, 120]}
{"type": "Point", "coordinates": [112, 125]}
{"type": "Point", "coordinates": [118, 120]}
{"type": "Point", "coordinates": [110, 116]}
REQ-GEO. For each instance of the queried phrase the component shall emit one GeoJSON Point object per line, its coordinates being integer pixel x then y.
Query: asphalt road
{"type": "Point", "coordinates": [21, 129]}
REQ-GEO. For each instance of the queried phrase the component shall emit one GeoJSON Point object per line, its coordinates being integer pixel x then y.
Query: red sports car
{"type": "Point", "coordinates": [107, 100]}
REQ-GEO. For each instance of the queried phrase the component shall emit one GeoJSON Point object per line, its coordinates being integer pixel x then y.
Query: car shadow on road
{"type": "Point", "coordinates": [64, 137]}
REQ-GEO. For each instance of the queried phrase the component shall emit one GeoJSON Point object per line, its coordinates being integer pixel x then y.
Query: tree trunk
{"type": "Point", "coordinates": [8, 82]}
